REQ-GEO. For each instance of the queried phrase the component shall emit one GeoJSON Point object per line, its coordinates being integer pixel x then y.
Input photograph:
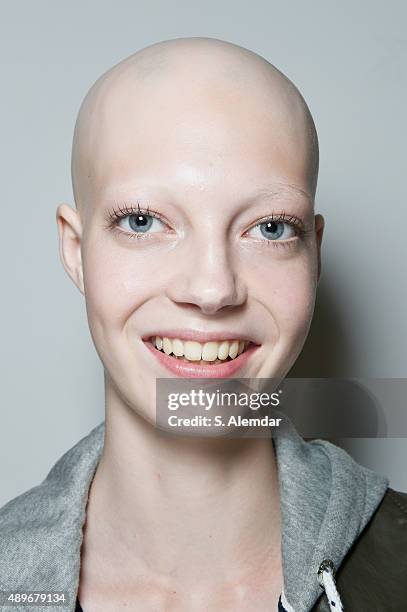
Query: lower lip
{"type": "Point", "coordinates": [194, 370]}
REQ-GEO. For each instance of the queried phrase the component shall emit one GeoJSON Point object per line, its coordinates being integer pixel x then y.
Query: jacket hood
{"type": "Point", "coordinates": [326, 501]}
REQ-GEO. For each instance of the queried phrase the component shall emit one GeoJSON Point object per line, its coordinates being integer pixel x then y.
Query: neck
{"type": "Point", "coordinates": [170, 505]}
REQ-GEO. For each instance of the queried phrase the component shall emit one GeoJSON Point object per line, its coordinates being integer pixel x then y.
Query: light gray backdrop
{"type": "Point", "coordinates": [349, 61]}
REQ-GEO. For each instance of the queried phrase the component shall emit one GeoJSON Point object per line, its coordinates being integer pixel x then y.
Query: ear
{"type": "Point", "coordinates": [70, 236]}
{"type": "Point", "coordinates": [319, 230]}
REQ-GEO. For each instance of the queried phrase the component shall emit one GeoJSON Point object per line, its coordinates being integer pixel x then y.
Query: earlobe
{"type": "Point", "coordinates": [70, 237]}
{"type": "Point", "coordinates": [319, 230]}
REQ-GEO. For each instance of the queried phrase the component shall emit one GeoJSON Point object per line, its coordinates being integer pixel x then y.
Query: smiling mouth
{"type": "Point", "coordinates": [207, 353]}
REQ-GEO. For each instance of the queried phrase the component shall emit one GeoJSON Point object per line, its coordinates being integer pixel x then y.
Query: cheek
{"type": "Point", "coordinates": [117, 282]}
{"type": "Point", "coordinates": [294, 301]}
{"type": "Point", "coordinates": [287, 289]}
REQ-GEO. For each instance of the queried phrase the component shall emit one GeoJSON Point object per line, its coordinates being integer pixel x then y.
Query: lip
{"type": "Point", "coordinates": [201, 336]}
{"type": "Point", "coordinates": [184, 369]}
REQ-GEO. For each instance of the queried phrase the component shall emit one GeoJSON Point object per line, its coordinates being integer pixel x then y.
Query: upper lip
{"type": "Point", "coordinates": [200, 336]}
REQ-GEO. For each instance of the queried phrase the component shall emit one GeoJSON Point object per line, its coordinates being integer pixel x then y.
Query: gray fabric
{"type": "Point", "coordinates": [41, 530]}
{"type": "Point", "coordinates": [326, 500]}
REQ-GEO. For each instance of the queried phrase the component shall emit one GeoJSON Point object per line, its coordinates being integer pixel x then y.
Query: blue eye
{"type": "Point", "coordinates": [274, 230]}
{"type": "Point", "coordinates": [141, 223]}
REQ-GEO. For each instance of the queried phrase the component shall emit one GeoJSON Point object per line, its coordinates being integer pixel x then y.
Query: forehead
{"type": "Point", "coordinates": [196, 131]}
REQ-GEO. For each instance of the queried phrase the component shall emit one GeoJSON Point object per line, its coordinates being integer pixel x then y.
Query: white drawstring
{"type": "Point", "coordinates": [326, 580]}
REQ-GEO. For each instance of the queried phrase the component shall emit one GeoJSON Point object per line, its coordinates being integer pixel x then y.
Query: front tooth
{"type": "Point", "coordinates": [223, 350]}
{"type": "Point", "coordinates": [234, 347]}
{"type": "Point", "coordinates": [210, 351]}
{"type": "Point", "coordinates": [159, 342]}
{"type": "Point", "coordinates": [178, 347]}
{"type": "Point", "coordinates": [192, 350]}
{"type": "Point", "coordinates": [241, 347]}
{"type": "Point", "coordinates": [167, 346]}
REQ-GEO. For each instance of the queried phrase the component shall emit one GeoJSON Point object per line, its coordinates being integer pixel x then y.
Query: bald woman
{"type": "Point", "coordinates": [196, 246]}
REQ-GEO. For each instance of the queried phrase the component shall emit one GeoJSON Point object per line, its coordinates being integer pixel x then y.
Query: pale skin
{"type": "Point", "coordinates": [213, 139]}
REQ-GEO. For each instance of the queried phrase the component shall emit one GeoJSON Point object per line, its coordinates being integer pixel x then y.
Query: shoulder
{"type": "Point", "coordinates": [396, 499]}
{"type": "Point", "coordinates": [373, 574]}
{"type": "Point", "coordinates": [41, 529]}
{"type": "Point", "coordinates": [387, 529]}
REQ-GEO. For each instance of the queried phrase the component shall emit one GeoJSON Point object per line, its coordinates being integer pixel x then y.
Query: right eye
{"type": "Point", "coordinates": [141, 223]}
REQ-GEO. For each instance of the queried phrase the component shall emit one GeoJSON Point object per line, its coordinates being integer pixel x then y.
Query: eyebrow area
{"type": "Point", "coordinates": [280, 190]}
{"type": "Point", "coordinates": [277, 191]}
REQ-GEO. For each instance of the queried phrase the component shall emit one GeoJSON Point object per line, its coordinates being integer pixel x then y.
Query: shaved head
{"type": "Point", "coordinates": [194, 170]}
{"type": "Point", "coordinates": [195, 81]}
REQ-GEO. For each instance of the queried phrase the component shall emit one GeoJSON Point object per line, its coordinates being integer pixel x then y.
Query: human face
{"type": "Point", "coordinates": [206, 266]}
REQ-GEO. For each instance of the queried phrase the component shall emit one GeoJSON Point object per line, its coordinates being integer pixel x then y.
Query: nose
{"type": "Point", "coordinates": [208, 279]}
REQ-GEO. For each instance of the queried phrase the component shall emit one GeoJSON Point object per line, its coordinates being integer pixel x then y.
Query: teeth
{"type": "Point", "coordinates": [195, 351]}
{"type": "Point", "coordinates": [177, 347]}
{"type": "Point", "coordinates": [167, 346]}
{"type": "Point", "coordinates": [234, 347]}
{"type": "Point", "coordinates": [210, 351]}
{"type": "Point", "coordinates": [223, 350]}
{"type": "Point", "coordinates": [192, 350]}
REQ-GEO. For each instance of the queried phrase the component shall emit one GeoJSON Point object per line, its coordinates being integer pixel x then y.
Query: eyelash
{"type": "Point", "coordinates": [116, 214]}
{"type": "Point", "coordinates": [295, 222]}
{"type": "Point", "coordinates": [120, 212]}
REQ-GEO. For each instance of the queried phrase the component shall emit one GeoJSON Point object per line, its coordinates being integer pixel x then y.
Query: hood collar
{"type": "Point", "coordinates": [326, 501]}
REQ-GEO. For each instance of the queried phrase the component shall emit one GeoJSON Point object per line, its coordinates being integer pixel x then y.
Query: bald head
{"type": "Point", "coordinates": [183, 86]}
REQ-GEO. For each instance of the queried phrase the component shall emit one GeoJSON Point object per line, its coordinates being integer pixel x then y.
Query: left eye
{"type": "Point", "coordinates": [273, 230]}
{"type": "Point", "coordinates": [141, 223]}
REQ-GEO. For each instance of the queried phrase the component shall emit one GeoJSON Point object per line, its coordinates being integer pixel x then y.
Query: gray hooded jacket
{"type": "Point", "coordinates": [326, 501]}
